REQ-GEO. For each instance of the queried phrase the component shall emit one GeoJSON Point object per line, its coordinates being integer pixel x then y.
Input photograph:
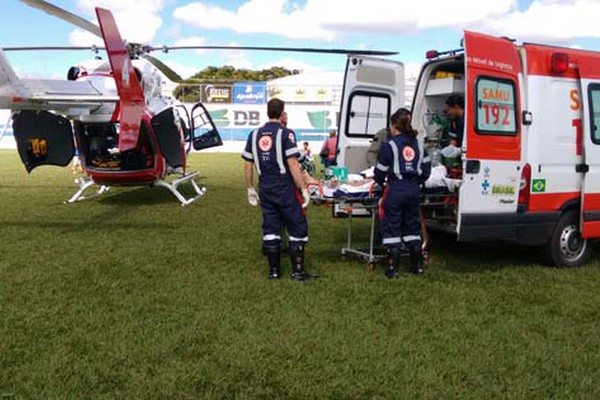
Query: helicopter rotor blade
{"type": "Point", "coordinates": [64, 15]}
{"type": "Point", "coordinates": [95, 49]}
{"type": "Point", "coordinates": [286, 49]}
{"type": "Point", "coordinates": [164, 68]}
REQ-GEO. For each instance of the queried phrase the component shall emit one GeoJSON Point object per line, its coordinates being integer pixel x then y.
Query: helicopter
{"type": "Point", "coordinates": [113, 113]}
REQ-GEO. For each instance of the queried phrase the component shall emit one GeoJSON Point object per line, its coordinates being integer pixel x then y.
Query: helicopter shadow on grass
{"type": "Point", "coordinates": [141, 196]}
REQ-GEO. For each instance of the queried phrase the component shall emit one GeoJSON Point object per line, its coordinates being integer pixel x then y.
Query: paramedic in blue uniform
{"type": "Point", "coordinates": [402, 168]}
{"type": "Point", "coordinates": [282, 193]}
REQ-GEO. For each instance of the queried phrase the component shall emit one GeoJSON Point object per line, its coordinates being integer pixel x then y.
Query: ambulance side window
{"type": "Point", "coordinates": [594, 95]}
{"type": "Point", "coordinates": [495, 107]}
{"type": "Point", "coordinates": [367, 114]}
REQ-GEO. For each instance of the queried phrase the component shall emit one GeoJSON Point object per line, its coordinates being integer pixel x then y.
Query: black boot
{"type": "Point", "coordinates": [272, 252]}
{"type": "Point", "coordinates": [393, 259]}
{"type": "Point", "coordinates": [297, 257]}
{"type": "Point", "coordinates": [416, 260]}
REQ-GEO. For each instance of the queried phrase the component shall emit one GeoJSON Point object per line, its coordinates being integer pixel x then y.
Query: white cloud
{"type": "Point", "coordinates": [551, 20]}
{"type": "Point", "coordinates": [254, 16]}
{"type": "Point", "coordinates": [184, 70]}
{"type": "Point", "coordinates": [138, 21]}
{"type": "Point", "coordinates": [327, 20]}
{"type": "Point", "coordinates": [292, 64]}
{"type": "Point", "coordinates": [192, 41]}
{"type": "Point", "coordinates": [332, 19]}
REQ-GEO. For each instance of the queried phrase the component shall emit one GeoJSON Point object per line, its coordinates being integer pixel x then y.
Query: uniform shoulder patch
{"type": "Point", "coordinates": [292, 137]}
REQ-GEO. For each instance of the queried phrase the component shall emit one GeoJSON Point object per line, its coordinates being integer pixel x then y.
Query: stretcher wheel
{"type": "Point", "coordinates": [370, 266]}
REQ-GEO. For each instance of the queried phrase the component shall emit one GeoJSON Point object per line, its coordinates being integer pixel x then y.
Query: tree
{"type": "Point", "coordinates": [188, 91]}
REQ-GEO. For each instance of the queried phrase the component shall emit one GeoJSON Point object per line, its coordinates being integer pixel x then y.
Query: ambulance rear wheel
{"type": "Point", "coordinates": [566, 247]}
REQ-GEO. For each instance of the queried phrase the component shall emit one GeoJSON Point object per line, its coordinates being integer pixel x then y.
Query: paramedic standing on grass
{"type": "Point", "coordinates": [401, 162]}
{"type": "Point", "coordinates": [273, 151]}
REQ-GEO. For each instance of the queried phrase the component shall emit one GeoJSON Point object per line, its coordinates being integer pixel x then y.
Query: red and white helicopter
{"type": "Point", "coordinates": [114, 113]}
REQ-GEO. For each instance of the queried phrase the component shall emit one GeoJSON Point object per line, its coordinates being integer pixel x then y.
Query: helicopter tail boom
{"type": "Point", "coordinates": [47, 94]}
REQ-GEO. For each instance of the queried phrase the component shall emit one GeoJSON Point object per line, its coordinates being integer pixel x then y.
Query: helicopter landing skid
{"type": "Point", "coordinates": [173, 187]}
{"type": "Point", "coordinates": [84, 183]}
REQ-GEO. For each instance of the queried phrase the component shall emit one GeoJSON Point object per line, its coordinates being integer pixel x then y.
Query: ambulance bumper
{"type": "Point", "coordinates": [532, 229]}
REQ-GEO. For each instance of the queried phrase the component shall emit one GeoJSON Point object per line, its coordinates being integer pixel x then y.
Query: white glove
{"type": "Point", "coordinates": [252, 197]}
{"type": "Point", "coordinates": [306, 198]}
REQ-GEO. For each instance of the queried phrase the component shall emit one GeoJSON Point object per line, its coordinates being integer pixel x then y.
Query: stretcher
{"type": "Point", "coordinates": [367, 200]}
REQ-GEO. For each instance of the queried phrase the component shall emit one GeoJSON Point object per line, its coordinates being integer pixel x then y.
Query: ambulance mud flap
{"type": "Point", "coordinates": [204, 131]}
{"type": "Point", "coordinates": [43, 138]}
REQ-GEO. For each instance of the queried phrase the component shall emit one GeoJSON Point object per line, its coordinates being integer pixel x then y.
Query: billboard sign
{"type": "Point", "coordinates": [250, 92]}
{"type": "Point", "coordinates": [216, 93]}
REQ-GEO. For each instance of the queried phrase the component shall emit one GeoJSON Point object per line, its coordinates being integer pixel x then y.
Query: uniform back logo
{"type": "Point", "coordinates": [265, 143]}
{"type": "Point", "coordinates": [408, 153]}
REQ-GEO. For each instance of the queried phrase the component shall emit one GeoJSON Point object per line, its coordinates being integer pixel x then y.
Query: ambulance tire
{"type": "Point", "coordinates": [566, 248]}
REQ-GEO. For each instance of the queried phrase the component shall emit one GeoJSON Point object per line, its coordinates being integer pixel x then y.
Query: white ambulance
{"type": "Point", "coordinates": [530, 163]}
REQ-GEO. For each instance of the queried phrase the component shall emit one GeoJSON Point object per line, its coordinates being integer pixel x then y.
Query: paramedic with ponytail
{"type": "Point", "coordinates": [282, 193]}
{"type": "Point", "coordinates": [402, 168]}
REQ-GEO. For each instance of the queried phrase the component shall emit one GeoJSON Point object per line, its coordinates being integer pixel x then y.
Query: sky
{"type": "Point", "coordinates": [408, 27]}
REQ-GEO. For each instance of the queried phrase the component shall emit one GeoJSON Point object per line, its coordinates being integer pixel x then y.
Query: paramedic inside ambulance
{"type": "Point", "coordinates": [454, 108]}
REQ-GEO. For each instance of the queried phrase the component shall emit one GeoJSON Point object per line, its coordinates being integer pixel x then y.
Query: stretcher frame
{"type": "Point", "coordinates": [371, 203]}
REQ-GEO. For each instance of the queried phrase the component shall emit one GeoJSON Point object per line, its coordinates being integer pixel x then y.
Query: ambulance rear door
{"type": "Point", "coordinates": [373, 90]}
{"type": "Point", "coordinates": [489, 192]}
{"type": "Point", "coordinates": [589, 69]}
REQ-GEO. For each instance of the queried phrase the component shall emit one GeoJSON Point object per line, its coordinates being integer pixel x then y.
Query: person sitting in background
{"type": "Point", "coordinates": [306, 159]}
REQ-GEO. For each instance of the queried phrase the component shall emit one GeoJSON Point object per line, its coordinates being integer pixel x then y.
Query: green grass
{"type": "Point", "coordinates": [132, 296]}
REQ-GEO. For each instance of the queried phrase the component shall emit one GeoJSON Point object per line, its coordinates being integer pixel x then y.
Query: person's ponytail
{"type": "Point", "coordinates": [401, 120]}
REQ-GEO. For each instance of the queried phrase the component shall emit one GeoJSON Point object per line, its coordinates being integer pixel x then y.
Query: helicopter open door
{"type": "Point", "coordinates": [204, 132]}
{"type": "Point", "coordinates": [43, 138]}
{"type": "Point", "coordinates": [169, 137]}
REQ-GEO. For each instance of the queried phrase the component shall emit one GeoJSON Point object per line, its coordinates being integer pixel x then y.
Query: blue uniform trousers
{"type": "Point", "coordinates": [281, 205]}
{"type": "Point", "coordinates": [400, 215]}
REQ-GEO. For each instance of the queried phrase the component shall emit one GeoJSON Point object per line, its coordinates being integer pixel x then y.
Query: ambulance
{"type": "Point", "coordinates": [529, 164]}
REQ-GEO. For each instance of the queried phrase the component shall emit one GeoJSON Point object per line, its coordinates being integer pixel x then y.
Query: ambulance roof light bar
{"type": "Point", "coordinates": [559, 63]}
{"type": "Point", "coordinates": [435, 54]}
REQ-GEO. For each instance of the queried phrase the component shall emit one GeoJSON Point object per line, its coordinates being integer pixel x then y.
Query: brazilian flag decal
{"type": "Point", "coordinates": [538, 185]}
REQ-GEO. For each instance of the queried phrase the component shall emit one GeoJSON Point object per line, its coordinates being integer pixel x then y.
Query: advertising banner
{"type": "Point", "coordinates": [250, 92]}
{"type": "Point", "coordinates": [210, 93]}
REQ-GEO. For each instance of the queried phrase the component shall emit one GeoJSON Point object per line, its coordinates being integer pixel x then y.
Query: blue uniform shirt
{"type": "Point", "coordinates": [401, 159]}
{"type": "Point", "coordinates": [268, 148]}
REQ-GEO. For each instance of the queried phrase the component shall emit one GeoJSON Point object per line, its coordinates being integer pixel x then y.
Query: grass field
{"type": "Point", "coordinates": [132, 296]}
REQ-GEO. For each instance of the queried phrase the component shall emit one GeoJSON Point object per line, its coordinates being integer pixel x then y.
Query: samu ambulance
{"type": "Point", "coordinates": [530, 162]}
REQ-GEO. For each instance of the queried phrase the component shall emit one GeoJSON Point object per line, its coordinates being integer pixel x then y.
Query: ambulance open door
{"type": "Point", "coordinates": [373, 90]}
{"type": "Point", "coordinates": [488, 196]}
{"type": "Point", "coordinates": [590, 190]}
